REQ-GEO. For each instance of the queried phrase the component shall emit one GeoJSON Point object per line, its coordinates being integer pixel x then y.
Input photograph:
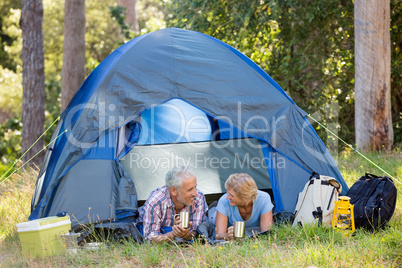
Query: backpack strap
{"type": "Point", "coordinates": [371, 176]}
{"type": "Point", "coordinates": [314, 175]}
{"type": "Point", "coordinates": [331, 197]}
{"type": "Point", "coordinates": [366, 187]}
{"type": "Point", "coordinates": [317, 198]}
{"type": "Point", "coordinates": [297, 209]}
{"type": "Point", "coordinates": [301, 198]}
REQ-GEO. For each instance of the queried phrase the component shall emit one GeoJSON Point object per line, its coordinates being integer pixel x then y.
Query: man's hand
{"type": "Point", "coordinates": [189, 234]}
{"type": "Point", "coordinates": [177, 219]}
{"type": "Point", "coordinates": [179, 231]}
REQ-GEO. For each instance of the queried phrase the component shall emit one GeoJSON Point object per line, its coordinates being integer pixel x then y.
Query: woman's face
{"type": "Point", "coordinates": [234, 199]}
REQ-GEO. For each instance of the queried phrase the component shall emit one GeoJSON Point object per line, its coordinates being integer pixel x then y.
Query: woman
{"type": "Point", "coordinates": [242, 202]}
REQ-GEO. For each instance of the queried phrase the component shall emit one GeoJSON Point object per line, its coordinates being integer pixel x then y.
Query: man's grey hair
{"type": "Point", "coordinates": [175, 176]}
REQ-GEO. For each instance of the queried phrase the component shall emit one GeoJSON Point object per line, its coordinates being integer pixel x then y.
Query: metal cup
{"type": "Point", "coordinates": [185, 219]}
{"type": "Point", "coordinates": [239, 229]}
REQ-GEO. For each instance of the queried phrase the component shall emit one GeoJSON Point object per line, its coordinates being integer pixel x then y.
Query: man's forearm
{"type": "Point", "coordinates": [170, 236]}
{"type": "Point", "coordinates": [163, 237]}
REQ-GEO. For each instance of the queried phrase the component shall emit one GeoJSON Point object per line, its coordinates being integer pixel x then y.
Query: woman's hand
{"type": "Point", "coordinates": [230, 235]}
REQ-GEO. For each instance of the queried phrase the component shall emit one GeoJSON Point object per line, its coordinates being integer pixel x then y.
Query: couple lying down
{"type": "Point", "coordinates": [242, 202]}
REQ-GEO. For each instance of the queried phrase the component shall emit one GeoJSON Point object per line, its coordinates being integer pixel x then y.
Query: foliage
{"type": "Point", "coordinates": [150, 14]}
{"type": "Point", "coordinates": [306, 46]}
{"type": "Point", "coordinates": [118, 12]}
{"type": "Point", "coordinates": [52, 105]}
{"type": "Point", "coordinates": [9, 33]}
{"type": "Point", "coordinates": [10, 82]}
{"type": "Point", "coordinates": [317, 41]}
{"type": "Point", "coordinates": [284, 246]}
{"type": "Point", "coordinates": [103, 33]}
{"type": "Point", "coordinates": [11, 91]}
{"type": "Point", "coordinates": [53, 13]}
{"type": "Point", "coordinates": [10, 61]}
{"type": "Point", "coordinates": [396, 69]}
{"type": "Point", "coordinates": [10, 143]}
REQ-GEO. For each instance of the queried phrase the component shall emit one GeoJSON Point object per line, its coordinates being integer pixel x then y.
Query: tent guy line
{"type": "Point", "coordinates": [16, 161]}
{"type": "Point", "coordinates": [15, 171]}
{"type": "Point", "coordinates": [351, 147]}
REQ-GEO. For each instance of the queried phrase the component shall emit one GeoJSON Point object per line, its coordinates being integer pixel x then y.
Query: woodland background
{"type": "Point", "coordinates": [307, 47]}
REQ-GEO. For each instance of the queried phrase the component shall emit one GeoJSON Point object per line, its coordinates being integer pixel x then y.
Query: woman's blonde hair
{"type": "Point", "coordinates": [243, 185]}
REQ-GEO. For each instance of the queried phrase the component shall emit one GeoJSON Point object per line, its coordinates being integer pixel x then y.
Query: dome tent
{"type": "Point", "coordinates": [173, 97]}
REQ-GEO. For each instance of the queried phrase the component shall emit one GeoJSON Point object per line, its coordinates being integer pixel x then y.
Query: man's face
{"type": "Point", "coordinates": [188, 191]}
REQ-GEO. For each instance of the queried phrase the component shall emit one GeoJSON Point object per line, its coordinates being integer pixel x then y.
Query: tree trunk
{"type": "Point", "coordinates": [131, 12]}
{"type": "Point", "coordinates": [373, 119]}
{"type": "Point", "coordinates": [73, 72]}
{"type": "Point", "coordinates": [33, 79]}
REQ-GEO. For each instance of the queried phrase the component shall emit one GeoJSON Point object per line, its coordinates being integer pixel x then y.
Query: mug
{"type": "Point", "coordinates": [239, 229]}
{"type": "Point", "coordinates": [185, 219]}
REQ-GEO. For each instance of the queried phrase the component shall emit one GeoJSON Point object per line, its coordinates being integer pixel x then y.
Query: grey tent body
{"type": "Point", "coordinates": [168, 98]}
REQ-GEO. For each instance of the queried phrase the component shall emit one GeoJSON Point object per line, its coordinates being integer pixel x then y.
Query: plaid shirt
{"type": "Point", "coordinates": [158, 211]}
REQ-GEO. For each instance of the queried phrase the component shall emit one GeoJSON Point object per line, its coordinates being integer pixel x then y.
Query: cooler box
{"type": "Point", "coordinates": [41, 238]}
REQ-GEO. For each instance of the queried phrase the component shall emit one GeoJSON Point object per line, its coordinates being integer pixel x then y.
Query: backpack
{"type": "Point", "coordinates": [315, 204]}
{"type": "Point", "coordinates": [374, 200]}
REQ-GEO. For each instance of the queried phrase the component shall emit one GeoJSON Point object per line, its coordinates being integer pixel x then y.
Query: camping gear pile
{"type": "Point", "coordinates": [369, 203]}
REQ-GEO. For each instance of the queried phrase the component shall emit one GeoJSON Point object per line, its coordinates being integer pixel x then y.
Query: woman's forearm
{"type": "Point", "coordinates": [221, 236]}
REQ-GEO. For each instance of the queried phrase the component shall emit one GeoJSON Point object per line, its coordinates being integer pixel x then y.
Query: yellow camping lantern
{"type": "Point", "coordinates": [343, 217]}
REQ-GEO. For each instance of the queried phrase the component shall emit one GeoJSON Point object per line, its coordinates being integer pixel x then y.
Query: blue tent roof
{"type": "Point", "coordinates": [205, 73]}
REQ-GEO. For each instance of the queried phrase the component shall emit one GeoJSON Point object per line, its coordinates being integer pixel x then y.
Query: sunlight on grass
{"type": "Point", "coordinates": [15, 199]}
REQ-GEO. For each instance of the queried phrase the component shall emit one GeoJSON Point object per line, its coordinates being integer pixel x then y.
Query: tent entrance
{"type": "Point", "coordinates": [212, 161]}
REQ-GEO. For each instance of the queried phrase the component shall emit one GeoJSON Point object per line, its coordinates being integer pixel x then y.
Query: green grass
{"type": "Point", "coordinates": [284, 247]}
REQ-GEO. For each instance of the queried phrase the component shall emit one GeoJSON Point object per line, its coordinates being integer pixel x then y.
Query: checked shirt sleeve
{"type": "Point", "coordinates": [152, 220]}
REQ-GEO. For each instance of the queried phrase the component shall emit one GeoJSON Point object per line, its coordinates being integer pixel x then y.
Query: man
{"type": "Point", "coordinates": [157, 215]}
